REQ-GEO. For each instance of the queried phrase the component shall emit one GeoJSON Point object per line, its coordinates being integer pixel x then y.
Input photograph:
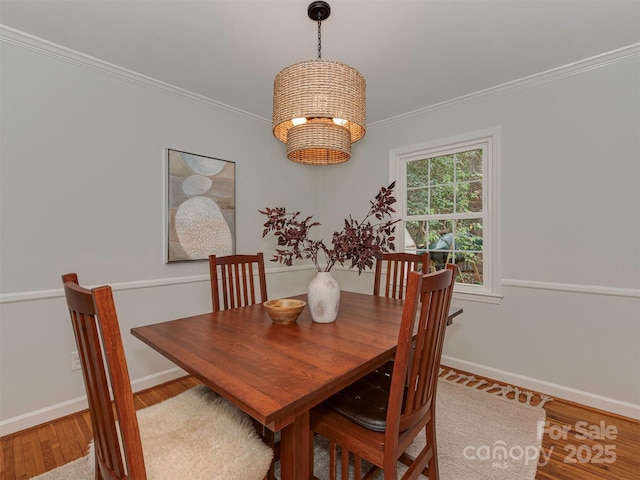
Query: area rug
{"type": "Point", "coordinates": [484, 432]}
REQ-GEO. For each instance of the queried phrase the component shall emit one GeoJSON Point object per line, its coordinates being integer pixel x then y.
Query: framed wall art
{"type": "Point", "coordinates": [201, 207]}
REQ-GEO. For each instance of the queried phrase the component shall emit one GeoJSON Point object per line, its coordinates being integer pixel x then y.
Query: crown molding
{"type": "Point", "coordinates": [39, 45]}
{"type": "Point", "coordinates": [575, 68]}
{"type": "Point", "coordinates": [44, 47]}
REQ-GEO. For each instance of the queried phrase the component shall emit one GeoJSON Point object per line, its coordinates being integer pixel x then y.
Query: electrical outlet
{"type": "Point", "coordinates": [75, 361]}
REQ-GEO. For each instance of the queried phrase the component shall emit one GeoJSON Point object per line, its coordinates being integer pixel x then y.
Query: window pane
{"type": "Point", "coordinates": [468, 250]}
{"type": "Point", "coordinates": [470, 269]}
{"type": "Point", "coordinates": [468, 197]}
{"type": "Point", "coordinates": [475, 197]}
{"type": "Point", "coordinates": [469, 235]}
{"type": "Point", "coordinates": [469, 165]}
{"type": "Point", "coordinates": [441, 199]}
{"type": "Point", "coordinates": [442, 169]}
{"type": "Point", "coordinates": [418, 173]}
{"type": "Point", "coordinates": [440, 243]}
{"type": "Point", "coordinates": [437, 229]}
{"type": "Point", "coordinates": [418, 201]}
{"type": "Point", "coordinates": [415, 236]}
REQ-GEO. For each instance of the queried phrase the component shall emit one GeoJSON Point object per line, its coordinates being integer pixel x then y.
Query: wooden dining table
{"type": "Point", "coordinates": [277, 373]}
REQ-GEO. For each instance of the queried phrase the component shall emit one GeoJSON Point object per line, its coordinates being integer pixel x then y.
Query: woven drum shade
{"type": "Point", "coordinates": [319, 91]}
{"type": "Point", "coordinates": [319, 143]}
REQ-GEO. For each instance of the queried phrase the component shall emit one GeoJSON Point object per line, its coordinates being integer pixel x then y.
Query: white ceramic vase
{"type": "Point", "coordinates": [323, 297]}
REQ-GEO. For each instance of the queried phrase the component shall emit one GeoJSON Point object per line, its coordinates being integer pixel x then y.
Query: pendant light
{"type": "Point", "coordinates": [318, 105]}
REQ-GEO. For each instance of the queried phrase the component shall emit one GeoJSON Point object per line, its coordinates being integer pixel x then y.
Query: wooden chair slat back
{"type": "Point", "coordinates": [397, 267]}
{"type": "Point", "coordinates": [99, 342]}
{"type": "Point", "coordinates": [417, 361]}
{"type": "Point", "coordinates": [237, 285]}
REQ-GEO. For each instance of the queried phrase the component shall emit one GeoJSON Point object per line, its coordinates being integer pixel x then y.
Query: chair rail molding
{"type": "Point", "coordinates": [163, 282]}
{"type": "Point", "coordinates": [573, 288]}
{"type": "Point", "coordinates": [160, 282]}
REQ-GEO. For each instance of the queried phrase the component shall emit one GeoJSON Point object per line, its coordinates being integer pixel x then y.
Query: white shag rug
{"type": "Point", "coordinates": [482, 434]}
{"type": "Point", "coordinates": [197, 428]}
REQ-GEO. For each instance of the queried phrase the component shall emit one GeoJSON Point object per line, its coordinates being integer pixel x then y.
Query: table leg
{"type": "Point", "coordinates": [294, 449]}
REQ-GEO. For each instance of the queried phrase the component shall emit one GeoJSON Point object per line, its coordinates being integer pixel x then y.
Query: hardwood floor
{"type": "Point", "coordinates": [612, 453]}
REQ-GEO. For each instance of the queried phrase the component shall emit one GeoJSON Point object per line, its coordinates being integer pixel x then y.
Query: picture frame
{"type": "Point", "coordinates": [200, 209]}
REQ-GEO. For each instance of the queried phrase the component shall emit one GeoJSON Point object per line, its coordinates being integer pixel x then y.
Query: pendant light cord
{"type": "Point", "coordinates": [319, 40]}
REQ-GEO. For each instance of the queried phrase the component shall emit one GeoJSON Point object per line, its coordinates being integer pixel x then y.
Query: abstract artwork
{"type": "Point", "coordinates": [201, 206]}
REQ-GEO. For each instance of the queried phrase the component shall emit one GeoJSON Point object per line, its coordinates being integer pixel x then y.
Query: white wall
{"type": "Point", "coordinates": [81, 189]}
{"type": "Point", "coordinates": [569, 322]}
{"type": "Point", "coordinates": [81, 185]}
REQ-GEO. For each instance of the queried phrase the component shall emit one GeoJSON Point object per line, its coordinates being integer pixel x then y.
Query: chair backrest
{"type": "Point", "coordinates": [237, 285]}
{"type": "Point", "coordinates": [95, 325]}
{"type": "Point", "coordinates": [415, 374]}
{"type": "Point", "coordinates": [397, 267]}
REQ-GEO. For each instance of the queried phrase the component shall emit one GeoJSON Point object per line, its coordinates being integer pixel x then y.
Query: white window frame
{"type": "Point", "coordinates": [489, 141]}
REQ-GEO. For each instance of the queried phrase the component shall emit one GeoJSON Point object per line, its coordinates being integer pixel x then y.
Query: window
{"type": "Point", "coordinates": [447, 195]}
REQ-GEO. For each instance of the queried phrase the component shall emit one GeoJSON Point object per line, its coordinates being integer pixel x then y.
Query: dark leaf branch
{"type": "Point", "coordinates": [357, 244]}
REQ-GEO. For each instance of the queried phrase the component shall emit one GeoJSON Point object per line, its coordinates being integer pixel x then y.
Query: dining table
{"type": "Point", "coordinates": [277, 373]}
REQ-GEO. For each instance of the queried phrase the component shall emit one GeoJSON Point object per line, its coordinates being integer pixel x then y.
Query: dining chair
{"type": "Point", "coordinates": [396, 267]}
{"type": "Point", "coordinates": [378, 417]}
{"type": "Point", "coordinates": [224, 441]}
{"type": "Point", "coordinates": [237, 284]}
{"type": "Point", "coordinates": [391, 274]}
{"type": "Point", "coordinates": [238, 288]}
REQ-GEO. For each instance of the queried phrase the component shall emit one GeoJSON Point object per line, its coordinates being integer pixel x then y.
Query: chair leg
{"type": "Point", "coordinates": [97, 466]}
{"type": "Point", "coordinates": [332, 460]}
{"type": "Point", "coordinates": [432, 466]}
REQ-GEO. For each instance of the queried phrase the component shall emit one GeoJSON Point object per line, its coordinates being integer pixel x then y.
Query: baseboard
{"type": "Point", "coordinates": [555, 390]}
{"type": "Point", "coordinates": [53, 412]}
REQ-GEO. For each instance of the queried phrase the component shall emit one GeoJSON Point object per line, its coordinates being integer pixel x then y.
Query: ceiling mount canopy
{"type": "Point", "coordinates": [318, 105]}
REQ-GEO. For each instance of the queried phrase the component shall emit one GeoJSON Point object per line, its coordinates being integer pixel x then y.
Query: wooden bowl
{"type": "Point", "coordinates": [284, 310]}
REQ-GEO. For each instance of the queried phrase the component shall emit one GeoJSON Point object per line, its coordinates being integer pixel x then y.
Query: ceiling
{"type": "Point", "coordinates": [413, 54]}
